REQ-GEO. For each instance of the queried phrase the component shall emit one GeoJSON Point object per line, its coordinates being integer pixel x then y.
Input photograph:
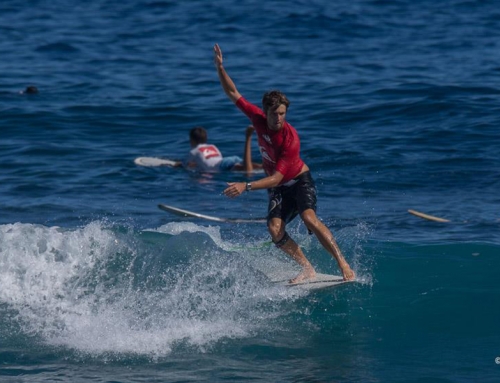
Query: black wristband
{"type": "Point", "coordinates": [248, 186]}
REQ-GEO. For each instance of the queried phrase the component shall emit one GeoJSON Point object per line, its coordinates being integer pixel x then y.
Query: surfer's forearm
{"type": "Point", "coordinates": [226, 82]}
{"type": "Point", "coordinates": [235, 189]}
{"type": "Point", "coordinates": [267, 182]}
{"type": "Point", "coordinates": [247, 151]}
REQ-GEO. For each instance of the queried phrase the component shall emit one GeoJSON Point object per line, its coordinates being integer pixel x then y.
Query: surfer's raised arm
{"type": "Point", "coordinates": [225, 80]}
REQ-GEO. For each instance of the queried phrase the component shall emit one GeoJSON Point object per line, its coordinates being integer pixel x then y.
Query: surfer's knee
{"type": "Point", "coordinates": [279, 243]}
{"type": "Point", "coordinates": [275, 228]}
{"type": "Point", "coordinates": [310, 219]}
{"type": "Point", "coordinates": [309, 216]}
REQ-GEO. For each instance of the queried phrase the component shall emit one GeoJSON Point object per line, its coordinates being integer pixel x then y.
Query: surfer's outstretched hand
{"type": "Point", "coordinates": [217, 56]}
{"type": "Point", "coordinates": [234, 189]}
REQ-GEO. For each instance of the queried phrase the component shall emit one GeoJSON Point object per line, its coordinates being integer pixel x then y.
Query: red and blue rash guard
{"type": "Point", "coordinates": [280, 149]}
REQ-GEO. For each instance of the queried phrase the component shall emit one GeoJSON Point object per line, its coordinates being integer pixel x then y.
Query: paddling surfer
{"type": "Point", "coordinates": [291, 188]}
{"type": "Point", "coordinates": [208, 158]}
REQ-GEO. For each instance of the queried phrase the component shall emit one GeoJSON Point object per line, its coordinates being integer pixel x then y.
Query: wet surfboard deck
{"type": "Point", "coordinates": [322, 281]}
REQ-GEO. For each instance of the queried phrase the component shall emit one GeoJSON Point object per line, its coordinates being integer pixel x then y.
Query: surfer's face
{"type": "Point", "coordinates": [276, 117]}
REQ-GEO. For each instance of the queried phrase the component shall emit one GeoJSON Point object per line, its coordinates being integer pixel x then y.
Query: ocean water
{"type": "Point", "coordinates": [397, 106]}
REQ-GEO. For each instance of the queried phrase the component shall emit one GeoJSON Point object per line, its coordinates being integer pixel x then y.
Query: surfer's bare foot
{"type": "Point", "coordinates": [348, 273]}
{"type": "Point", "coordinates": [307, 273]}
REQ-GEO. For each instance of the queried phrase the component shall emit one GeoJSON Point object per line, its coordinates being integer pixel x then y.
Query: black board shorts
{"type": "Point", "coordinates": [286, 202]}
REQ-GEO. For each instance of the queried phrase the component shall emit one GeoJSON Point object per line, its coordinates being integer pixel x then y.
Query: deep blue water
{"type": "Point", "coordinates": [396, 103]}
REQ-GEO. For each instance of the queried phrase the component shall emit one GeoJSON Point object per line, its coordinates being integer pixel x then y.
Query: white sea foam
{"type": "Point", "coordinates": [98, 290]}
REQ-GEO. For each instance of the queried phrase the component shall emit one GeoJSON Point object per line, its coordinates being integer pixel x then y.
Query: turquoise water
{"type": "Point", "coordinates": [396, 104]}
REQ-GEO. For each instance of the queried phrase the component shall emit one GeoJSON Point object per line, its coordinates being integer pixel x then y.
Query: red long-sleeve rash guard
{"type": "Point", "coordinates": [280, 149]}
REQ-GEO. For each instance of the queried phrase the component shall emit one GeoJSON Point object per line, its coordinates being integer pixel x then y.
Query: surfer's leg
{"type": "Point", "coordinates": [283, 241]}
{"type": "Point", "coordinates": [326, 238]}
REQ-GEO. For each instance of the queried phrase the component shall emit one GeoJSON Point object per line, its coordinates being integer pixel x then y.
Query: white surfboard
{"type": "Point", "coordinates": [156, 162]}
{"type": "Point", "coordinates": [427, 216]}
{"type": "Point", "coordinates": [192, 214]}
{"type": "Point", "coordinates": [321, 281]}
{"type": "Point", "coordinates": [153, 161]}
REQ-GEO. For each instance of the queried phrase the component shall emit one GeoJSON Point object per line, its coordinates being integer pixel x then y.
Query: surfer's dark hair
{"type": "Point", "coordinates": [198, 135]}
{"type": "Point", "coordinates": [273, 99]}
